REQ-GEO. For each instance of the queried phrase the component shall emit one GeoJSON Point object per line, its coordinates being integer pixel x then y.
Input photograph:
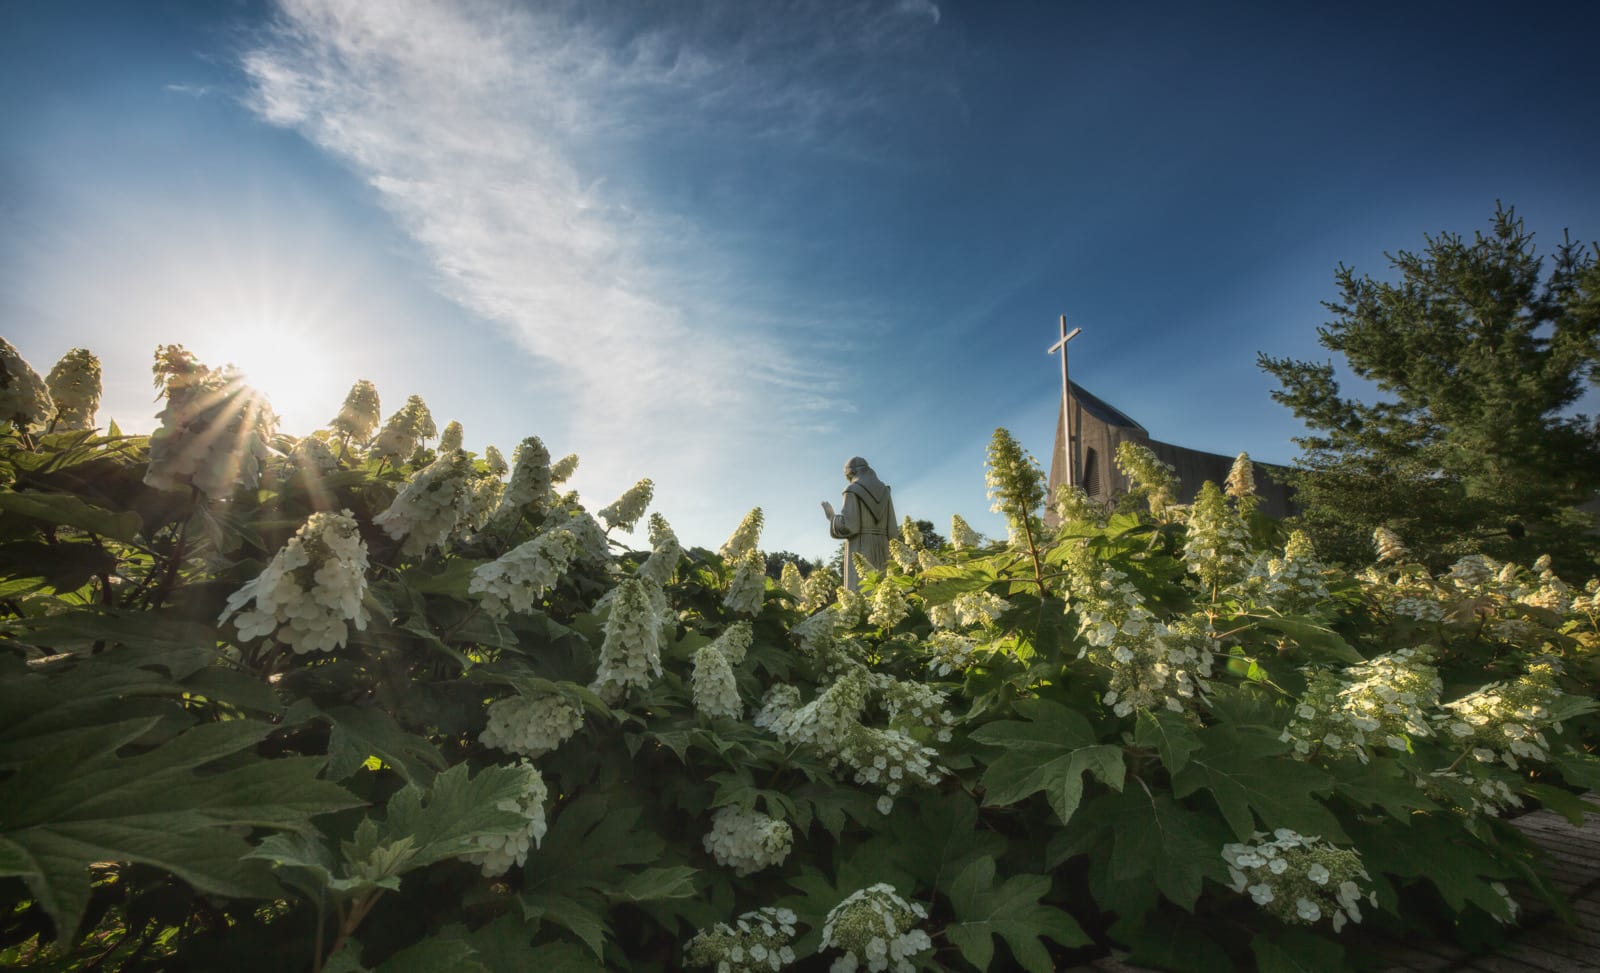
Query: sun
{"type": "Point", "coordinates": [286, 364]}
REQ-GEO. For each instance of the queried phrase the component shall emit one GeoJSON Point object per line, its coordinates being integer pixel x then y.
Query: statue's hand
{"type": "Point", "coordinates": [827, 508]}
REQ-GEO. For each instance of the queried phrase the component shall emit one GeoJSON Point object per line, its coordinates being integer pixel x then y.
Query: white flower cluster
{"type": "Point", "coordinates": [214, 429]}
{"type": "Point", "coordinates": [911, 534]}
{"type": "Point", "coordinates": [903, 556]}
{"type": "Point", "coordinates": [745, 537]}
{"type": "Point", "coordinates": [1299, 879]}
{"type": "Point", "coordinates": [1504, 721]}
{"type": "Point", "coordinates": [1292, 584]}
{"type": "Point", "coordinates": [74, 385]}
{"type": "Point", "coordinates": [819, 589]}
{"type": "Point", "coordinates": [593, 547]}
{"type": "Point", "coordinates": [748, 587]}
{"type": "Point", "coordinates": [1151, 478]}
{"type": "Point", "coordinates": [1016, 484]}
{"type": "Point", "coordinates": [1419, 609]}
{"type": "Point", "coordinates": [359, 414]}
{"type": "Point", "coordinates": [889, 759]}
{"type": "Point", "coordinates": [626, 510]}
{"type": "Point", "coordinates": [312, 591]}
{"type": "Point", "coordinates": [517, 579]}
{"type": "Point", "coordinates": [529, 489]}
{"type": "Point", "coordinates": [850, 606]}
{"type": "Point", "coordinates": [404, 431]}
{"type": "Point", "coordinates": [451, 437]}
{"type": "Point", "coordinates": [1474, 570]}
{"type": "Point", "coordinates": [928, 558]}
{"type": "Point", "coordinates": [1162, 666]}
{"type": "Point", "coordinates": [487, 489]}
{"type": "Point", "coordinates": [816, 634]}
{"type": "Point", "coordinates": [1152, 664]}
{"type": "Point", "coordinates": [312, 457]}
{"type": "Point", "coordinates": [24, 397]}
{"type": "Point", "coordinates": [1074, 506]}
{"type": "Point", "coordinates": [949, 652]}
{"type": "Point", "coordinates": [494, 462]}
{"type": "Point", "coordinates": [1390, 547]}
{"type": "Point", "coordinates": [1381, 702]}
{"type": "Point", "coordinates": [756, 942]}
{"type": "Point", "coordinates": [825, 720]}
{"type": "Point", "coordinates": [1217, 544]}
{"type": "Point", "coordinates": [430, 505]}
{"type": "Point", "coordinates": [499, 852]}
{"type": "Point", "coordinates": [962, 535]}
{"type": "Point", "coordinates": [563, 468]}
{"type": "Point", "coordinates": [970, 609]}
{"type": "Point", "coordinates": [630, 656]}
{"type": "Point", "coordinates": [665, 553]}
{"type": "Point", "coordinates": [791, 582]}
{"type": "Point", "coordinates": [889, 607]}
{"type": "Point", "coordinates": [531, 726]}
{"type": "Point", "coordinates": [1476, 789]}
{"type": "Point", "coordinates": [1241, 482]}
{"type": "Point", "coordinates": [747, 841]}
{"type": "Point", "coordinates": [716, 693]}
{"type": "Point", "coordinates": [875, 927]}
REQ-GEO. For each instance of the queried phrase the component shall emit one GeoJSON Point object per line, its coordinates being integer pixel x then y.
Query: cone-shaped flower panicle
{"type": "Point", "coordinates": [529, 489]}
{"type": "Point", "coordinates": [451, 437]}
{"type": "Point", "coordinates": [562, 469]}
{"type": "Point", "coordinates": [1151, 478]}
{"type": "Point", "coordinates": [911, 534]}
{"type": "Point", "coordinates": [745, 537]}
{"type": "Point", "coordinates": [1016, 484]}
{"type": "Point", "coordinates": [1074, 506]}
{"type": "Point", "coordinates": [747, 841]}
{"type": "Point", "coordinates": [889, 606]}
{"type": "Point", "coordinates": [716, 693]}
{"type": "Point", "coordinates": [74, 385]}
{"type": "Point", "coordinates": [629, 507]}
{"type": "Point", "coordinates": [531, 726]}
{"type": "Point", "coordinates": [311, 592]}
{"type": "Point", "coordinates": [313, 457]}
{"type": "Point", "coordinates": [404, 431]}
{"type": "Point", "coordinates": [789, 580]}
{"type": "Point", "coordinates": [428, 507]}
{"type": "Point", "coordinates": [747, 590]}
{"type": "Point", "coordinates": [494, 461]}
{"type": "Point", "coordinates": [630, 656]}
{"type": "Point", "coordinates": [359, 414]}
{"type": "Point", "coordinates": [1241, 481]}
{"type": "Point", "coordinates": [665, 553]}
{"type": "Point", "coordinates": [24, 397]}
{"type": "Point", "coordinates": [1390, 546]}
{"type": "Point", "coordinates": [519, 578]}
{"type": "Point", "coordinates": [962, 535]}
{"type": "Point", "coordinates": [214, 428]}
{"type": "Point", "coordinates": [1217, 544]}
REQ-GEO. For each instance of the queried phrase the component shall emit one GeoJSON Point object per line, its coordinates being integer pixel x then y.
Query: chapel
{"type": "Point", "coordinates": [1098, 426]}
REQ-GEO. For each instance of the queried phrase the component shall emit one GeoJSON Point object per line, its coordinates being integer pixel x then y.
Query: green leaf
{"type": "Point", "coordinates": [1170, 734]}
{"type": "Point", "coordinates": [1316, 639]}
{"type": "Point", "coordinates": [1246, 771]}
{"type": "Point", "coordinates": [1563, 802]}
{"type": "Point", "coordinates": [1173, 942]}
{"type": "Point", "coordinates": [359, 732]}
{"type": "Point", "coordinates": [1010, 910]}
{"type": "Point", "coordinates": [1296, 951]}
{"type": "Point", "coordinates": [1153, 836]}
{"type": "Point", "coordinates": [80, 803]}
{"type": "Point", "coordinates": [943, 837]}
{"type": "Point", "coordinates": [432, 955]}
{"type": "Point", "coordinates": [1382, 783]}
{"type": "Point", "coordinates": [1437, 848]}
{"type": "Point", "coordinates": [1580, 770]}
{"type": "Point", "coordinates": [654, 884]}
{"type": "Point", "coordinates": [66, 510]}
{"type": "Point", "coordinates": [1051, 753]}
{"type": "Point", "coordinates": [452, 581]}
{"type": "Point", "coordinates": [944, 582]}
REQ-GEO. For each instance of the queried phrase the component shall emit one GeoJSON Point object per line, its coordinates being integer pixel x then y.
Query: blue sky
{"type": "Point", "coordinates": [728, 245]}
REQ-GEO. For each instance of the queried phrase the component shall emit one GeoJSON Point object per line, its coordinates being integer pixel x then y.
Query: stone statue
{"type": "Point", "coordinates": [865, 521]}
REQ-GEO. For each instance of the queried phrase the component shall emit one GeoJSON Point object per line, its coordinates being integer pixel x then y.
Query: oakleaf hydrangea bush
{"type": "Point", "coordinates": [397, 704]}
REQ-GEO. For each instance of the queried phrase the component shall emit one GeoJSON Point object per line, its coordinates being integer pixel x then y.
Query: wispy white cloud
{"type": "Point", "coordinates": [501, 137]}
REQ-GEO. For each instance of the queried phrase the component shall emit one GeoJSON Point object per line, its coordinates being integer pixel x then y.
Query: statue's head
{"type": "Point", "coordinates": [854, 467]}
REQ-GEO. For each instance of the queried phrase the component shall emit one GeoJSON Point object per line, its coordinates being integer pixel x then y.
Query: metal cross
{"type": "Point", "coordinates": [1066, 414]}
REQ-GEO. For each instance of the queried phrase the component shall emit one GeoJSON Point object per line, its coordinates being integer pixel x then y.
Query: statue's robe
{"type": "Point", "coordinates": [864, 523]}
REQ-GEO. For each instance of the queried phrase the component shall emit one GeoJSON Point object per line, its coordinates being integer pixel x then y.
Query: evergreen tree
{"type": "Point", "coordinates": [1479, 356]}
